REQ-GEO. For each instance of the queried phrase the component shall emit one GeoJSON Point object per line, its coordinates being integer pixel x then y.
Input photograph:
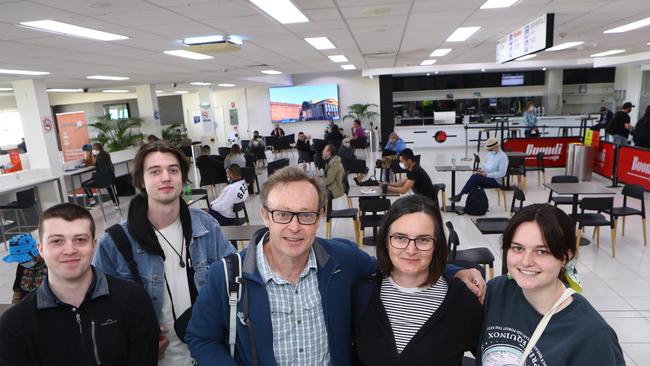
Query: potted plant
{"type": "Point", "coordinates": [116, 134]}
{"type": "Point", "coordinates": [173, 134]}
{"type": "Point", "coordinates": [361, 112]}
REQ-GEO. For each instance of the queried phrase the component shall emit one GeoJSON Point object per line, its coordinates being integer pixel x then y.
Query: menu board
{"type": "Point", "coordinates": [532, 37]}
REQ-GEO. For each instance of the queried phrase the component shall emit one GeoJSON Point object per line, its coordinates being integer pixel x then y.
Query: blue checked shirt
{"type": "Point", "coordinates": [299, 332]}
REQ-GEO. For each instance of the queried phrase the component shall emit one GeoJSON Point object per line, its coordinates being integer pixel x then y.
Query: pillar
{"type": "Point", "coordinates": [627, 88]}
{"type": "Point", "coordinates": [553, 92]}
{"type": "Point", "coordinates": [212, 129]}
{"type": "Point", "coordinates": [148, 110]}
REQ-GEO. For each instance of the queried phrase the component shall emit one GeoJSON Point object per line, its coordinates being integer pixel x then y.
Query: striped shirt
{"type": "Point", "coordinates": [409, 308]}
{"type": "Point", "coordinates": [299, 332]}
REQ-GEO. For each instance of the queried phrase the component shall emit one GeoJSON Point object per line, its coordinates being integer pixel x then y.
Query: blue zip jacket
{"type": "Point", "coordinates": [340, 266]}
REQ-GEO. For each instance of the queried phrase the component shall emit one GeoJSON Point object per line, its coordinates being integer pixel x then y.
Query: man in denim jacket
{"type": "Point", "coordinates": [173, 245]}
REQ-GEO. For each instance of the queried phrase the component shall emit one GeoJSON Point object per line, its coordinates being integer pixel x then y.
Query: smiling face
{"type": "Point", "coordinates": [163, 180]}
{"type": "Point", "coordinates": [67, 248]}
{"type": "Point", "coordinates": [411, 265]}
{"type": "Point", "coordinates": [292, 240]}
{"type": "Point", "coordinates": [529, 260]}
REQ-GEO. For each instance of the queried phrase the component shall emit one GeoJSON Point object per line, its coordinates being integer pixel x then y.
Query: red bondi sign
{"type": "Point", "coordinates": [633, 166]}
{"type": "Point", "coordinates": [604, 159]}
{"type": "Point", "coordinates": [554, 149]}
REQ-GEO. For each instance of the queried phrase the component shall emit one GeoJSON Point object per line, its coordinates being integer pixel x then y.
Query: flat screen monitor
{"type": "Point", "coordinates": [304, 103]}
{"type": "Point", "coordinates": [512, 79]}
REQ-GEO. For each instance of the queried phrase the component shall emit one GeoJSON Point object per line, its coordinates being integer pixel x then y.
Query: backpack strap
{"type": "Point", "coordinates": [123, 244]}
{"type": "Point", "coordinates": [232, 271]}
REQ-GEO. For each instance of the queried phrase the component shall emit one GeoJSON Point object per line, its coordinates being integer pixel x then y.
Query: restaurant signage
{"type": "Point", "coordinates": [554, 149]}
{"type": "Point", "coordinates": [633, 166]}
{"type": "Point", "coordinates": [604, 160]}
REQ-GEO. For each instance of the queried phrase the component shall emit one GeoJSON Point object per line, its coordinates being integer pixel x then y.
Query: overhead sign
{"type": "Point", "coordinates": [532, 37]}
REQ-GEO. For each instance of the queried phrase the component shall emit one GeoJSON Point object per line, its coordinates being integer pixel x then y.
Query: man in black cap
{"type": "Point", "coordinates": [621, 124]}
{"type": "Point", "coordinates": [605, 116]}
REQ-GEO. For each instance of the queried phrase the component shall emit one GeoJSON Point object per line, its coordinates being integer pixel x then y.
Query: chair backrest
{"type": "Point", "coordinates": [540, 159]}
{"type": "Point", "coordinates": [477, 162]}
{"type": "Point", "coordinates": [276, 165]}
{"type": "Point", "coordinates": [318, 145]}
{"type": "Point", "coordinates": [291, 138]}
{"type": "Point", "coordinates": [518, 195]}
{"type": "Point", "coordinates": [597, 203]}
{"type": "Point", "coordinates": [516, 162]}
{"type": "Point", "coordinates": [357, 166]}
{"type": "Point", "coordinates": [634, 191]}
{"type": "Point", "coordinates": [336, 143]}
{"type": "Point", "coordinates": [239, 207]}
{"type": "Point", "coordinates": [187, 150]}
{"type": "Point", "coordinates": [250, 160]}
{"type": "Point", "coordinates": [282, 143]}
{"type": "Point", "coordinates": [245, 144]}
{"type": "Point", "coordinates": [269, 140]}
{"type": "Point", "coordinates": [452, 240]}
{"type": "Point", "coordinates": [565, 179]}
{"type": "Point", "coordinates": [374, 205]}
{"type": "Point", "coordinates": [319, 162]}
{"type": "Point", "coordinates": [212, 171]}
{"type": "Point", "coordinates": [223, 151]}
{"type": "Point", "coordinates": [26, 198]}
{"type": "Point", "coordinates": [248, 174]}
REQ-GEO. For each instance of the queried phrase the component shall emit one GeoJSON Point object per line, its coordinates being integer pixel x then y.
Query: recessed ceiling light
{"type": "Point", "coordinates": [463, 33]}
{"type": "Point", "coordinates": [55, 90]}
{"type": "Point", "coordinates": [227, 85]}
{"type": "Point", "coordinates": [23, 72]}
{"type": "Point", "coordinates": [348, 67]}
{"type": "Point", "coordinates": [438, 52]}
{"type": "Point", "coordinates": [159, 91]}
{"type": "Point", "coordinates": [338, 58]}
{"type": "Point", "coordinates": [631, 26]}
{"type": "Point", "coordinates": [428, 62]}
{"type": "Point", "coordinates": [543, 69]}
{"type": "Point", "coordinates": [271, 72]}
{"type": "Point", "coordinates": [527, 57]}
{"type": "Point", "coordinates": [564, 46]}
{"type": "Point", "coordinates": [482, 70]}
{"type": "Point", "coordinates": [607, 53]}
{"type": "Point", "coordinates": [71, 30]}
{"type": "Point", "coordinates": [200, 83]}
{"type": "Point", "coordinates": [494, 4]}
{"type": "Point", "coordinates": [370, 76]}
{"type": "Point", "coordinates": [203, 39]}
{"type": "Point", "coordinates": [115, 91]}
{"type": "Point", "coordinates": [281, 10]}
{"type": "Point", "coordinates": [320, 43]}
{"type": "Point", "coordinates": [106, 77]}
{"type": "Point", "coordinates": [188, 54]}
{"type": "Point", "coordinates": [181, 92]}
{"type": "Point", "coordinates": [428, 74]}
{"type": "Point", "coordinates": [435, 72]}
{"type": "Point", "coordinates": [6, 89]}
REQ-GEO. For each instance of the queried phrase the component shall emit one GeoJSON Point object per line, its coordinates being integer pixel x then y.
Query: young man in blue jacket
{"type": "Point", "coordinates": [297, 287]}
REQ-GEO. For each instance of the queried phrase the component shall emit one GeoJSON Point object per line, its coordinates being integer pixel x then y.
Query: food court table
{"type": "Point", "coordinates": [369, 191]}
{"type": "Point", "coordinates": [453, 170]}
{"type": "Point", "coordinates": [240, 233]}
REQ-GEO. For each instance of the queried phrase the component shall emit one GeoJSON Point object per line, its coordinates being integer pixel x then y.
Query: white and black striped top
{"type": "Point", "coordinates": [409, 308]}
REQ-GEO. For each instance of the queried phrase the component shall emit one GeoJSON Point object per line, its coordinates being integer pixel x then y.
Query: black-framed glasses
{"type": "Point", "coordinates": [285, 217]}
{"type": "Point", "coordinates": [423, 243]}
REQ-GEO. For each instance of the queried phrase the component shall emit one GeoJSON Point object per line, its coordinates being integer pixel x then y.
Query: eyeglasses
{"type": "Point", "coordinates": [285, 217]}
{"type": "Point", "coordinates": [402, 242]}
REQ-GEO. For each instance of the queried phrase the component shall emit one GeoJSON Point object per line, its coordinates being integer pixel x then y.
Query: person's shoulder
{"type": "Point", "coordinates": [199, 214]}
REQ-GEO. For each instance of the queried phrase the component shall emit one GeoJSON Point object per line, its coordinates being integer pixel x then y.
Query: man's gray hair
{"type": "Point", "coordinates": [292, 174]}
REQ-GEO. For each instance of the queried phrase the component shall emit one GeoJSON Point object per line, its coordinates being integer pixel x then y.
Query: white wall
{"type": "Point", "coordinates": [8, 102]}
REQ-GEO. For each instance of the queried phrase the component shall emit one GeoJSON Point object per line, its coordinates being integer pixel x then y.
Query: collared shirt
{"type": "Point", "coordinates": [299, 331]}
{"type": "Point", "coordinates": [496, 165]}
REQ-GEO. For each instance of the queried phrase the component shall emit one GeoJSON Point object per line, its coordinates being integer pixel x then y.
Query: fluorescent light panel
{"type": "Point", "coordinates": [6, 89]}
{"type": "Point", "coordinates": [631, 26]}
{"type": "Point", "coordinates": [527, 57]}
{"type": "Point", "coordinates": [564, 46]}
{"type": "Point", "coordinates": [72, 30]}
{"type": "Point", "coordinates": [271, 72]}
{"type": "Point", "coordinates": [55, 90]}
{"type": "Point", "coordinates": [281, 10]}
{"type": "Point", "coordinates": [320, 43]}
{"type": "Point", "coordinates": [227, 85]}
{"type": "Point", "coordinates": [181, 92]}
{"type": "Point", "coordinates": [201, 83]}
{"type": "Point", "coordinates": [607, 53]}
{"type": "Point", "coordinates": [115, 91]}
{"type": "Point", "coordinates": [106, 77]}
{"type": "Point", "coordinates": [462, 34]}
{"type": "Point", "coordinates": [495, 4]}
{"type": "Point", "coordinates": [159, 91]}
{"type": "Point", "coordinates": [428, 62]}
{"type": "Point", "coordinates": [203, 39]}
{"type": "Point", "coordinates": [438, 52]}
{"type": "Point", "coordinates": [188, 54]}
{"type": "Point", "coordinates": [348, 67]}
{"type": "Point", "coordinates": [338, 58]}
{"type": "Point", "coordinates": [23, 72]}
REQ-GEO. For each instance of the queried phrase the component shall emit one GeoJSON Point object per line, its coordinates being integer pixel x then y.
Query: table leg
{"type": "Point", "coordinates": [574, 215]}
{"type": "Point", "coordinates": [453, 207]}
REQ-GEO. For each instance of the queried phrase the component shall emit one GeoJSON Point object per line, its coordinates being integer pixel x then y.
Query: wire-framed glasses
{"type": "Point", "coordinates": [285, 217]}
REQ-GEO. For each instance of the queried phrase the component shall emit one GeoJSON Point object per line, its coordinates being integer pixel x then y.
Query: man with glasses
{"type": "Point", "coordinates": [296, 287]}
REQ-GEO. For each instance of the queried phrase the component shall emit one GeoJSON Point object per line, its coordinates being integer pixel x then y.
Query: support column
{"type": "Point", "coordinates": [627, 88]}
{"type": "Point", "coordinates": [40, 134]}
{"type": "Point", "coordinates": [148, 109]}
{"type": "Point", "coordinates": [387, 121]}
{"type": "Point", "coordinates": [212, 129]}
{"type": "Point", "coordinates": [553, 92]}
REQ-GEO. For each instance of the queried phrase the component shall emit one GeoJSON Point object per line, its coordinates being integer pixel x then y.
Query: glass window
{"type": "Point", "coordinates": [117, 111]}
{"type": "Point", "coordinates": [11, 128]}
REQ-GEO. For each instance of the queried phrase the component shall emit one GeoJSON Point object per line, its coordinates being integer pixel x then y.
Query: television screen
{"type": "Point", "coordinates": [512, 79]}
{"type": "Point", "coordinates": [305, 103]}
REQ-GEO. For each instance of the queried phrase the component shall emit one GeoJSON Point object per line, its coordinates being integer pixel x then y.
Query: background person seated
{"type": "Point", "coordinates": [417, 178]}
{"type": "Point", "coordinates": [495, 168]}
{"type": "Point", "coordinates": [277, 131]}
{"type": "Point", "coordinates": [236, 191]}
{"type": "Point", "coordinates": [235, 156]}
{"type": "Point", "coordinates": [394, 144]}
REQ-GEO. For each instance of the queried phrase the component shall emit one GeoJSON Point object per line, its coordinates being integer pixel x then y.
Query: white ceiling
{"type": "Point", "coordinates": [371, 33]}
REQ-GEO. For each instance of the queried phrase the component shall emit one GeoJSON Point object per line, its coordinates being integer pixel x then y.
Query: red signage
{"type": "Point", "coordinates": [604, 159]}
{"type": "Point", "coordinates": [633, 166]}
{"type": "Point", "coordinates": [554, 149]}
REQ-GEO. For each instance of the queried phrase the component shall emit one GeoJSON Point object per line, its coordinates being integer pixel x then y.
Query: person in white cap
{"type": "Point", "coordinates": [495, 168]}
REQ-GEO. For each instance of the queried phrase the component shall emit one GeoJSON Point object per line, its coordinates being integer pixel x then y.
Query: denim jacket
{"type": "Point", "coordinates": [208, 245]}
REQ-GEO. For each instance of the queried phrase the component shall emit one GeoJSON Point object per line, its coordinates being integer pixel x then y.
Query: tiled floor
{"type": "Point", "coordinates": [618, 288]}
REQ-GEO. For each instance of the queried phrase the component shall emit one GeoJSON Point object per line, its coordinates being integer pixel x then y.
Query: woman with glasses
{"type": "Point", "coordinates": [532, 315]}
{"type": "Point", "coordinates": [410, 313]}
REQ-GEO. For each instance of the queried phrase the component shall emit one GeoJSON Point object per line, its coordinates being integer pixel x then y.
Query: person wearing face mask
{"type": "Point", "coordinates": [417, 178]}
{"type": "Point", "coordinates": [530, 120]}
{"type": "Point", "coordinates": [31, 269]}
{"type": "Point", "coordinates": [103, 177]}
{"type": "Point", "coordinates": [236, 191]}
{"type": "Point", "coordinates": [495, 168]}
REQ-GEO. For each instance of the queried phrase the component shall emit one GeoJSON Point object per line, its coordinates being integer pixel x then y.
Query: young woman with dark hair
{"type": "Point", "coordinates": [104, 175]}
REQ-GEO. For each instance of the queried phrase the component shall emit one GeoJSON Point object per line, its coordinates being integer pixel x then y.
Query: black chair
{"type": "Point", "coordinates": [282, 144]}
{"type": "Point", "coordinates": [517, 168]}
{"type": "Point", "coordinates": [245, 144]}
{"type": "Point", "coordinates": [360, 143]}
{"type": "Point", "coordinates": [597, 219]}
{"type": "Point", "coordinates": [562, 200]}
{"type": "Point", "coordinates": [237, 208]}
{"type": "Point", "coordinates": [196, 191]}
{"type": "Point", "coordinates": [276, 165]}
{"type": "Point", "coordinates": [259, 153]}
{"type": "Point", "coordinates": [223, 151]}
{"type": "Point", "coordinates": [319, 162]}
{"type": "Point", "coordinates": [270, 140]}
{"type": "Point", "coordinates": [354, 166]}
{"type": "Point", "coordinates": [187, 151]}
{"type": "Point", "coordinates": [335, 143]}
{"type": "Point", "coordinates": [477, 163]}
{"type": "Point", "coordinates": [348, 213]}
{"type": "Point", "coordinates": [481, 255]}
{"type": "Point", "coordinates": [539, 168]}
{"type": "Point", "coordinates": [517, 195]}
{"type": "Point", "coordinates": [250, 160]}
{"type": "Point", "coordinates": [372, 210]}
{"type": "Point", "coordinates": [318, 145]}
{"type": "Point", "coordinates": [212, 172]}
{"type": "Point", "coordinates": [250, 176]}
{"type": "Point", "coordinates": [634, 191]}
{"type": "Point", "coordinates": [25, 200]}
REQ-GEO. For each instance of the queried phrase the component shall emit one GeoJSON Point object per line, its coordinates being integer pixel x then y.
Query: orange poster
{"type": "Point", "coordinates": [73, 133]}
